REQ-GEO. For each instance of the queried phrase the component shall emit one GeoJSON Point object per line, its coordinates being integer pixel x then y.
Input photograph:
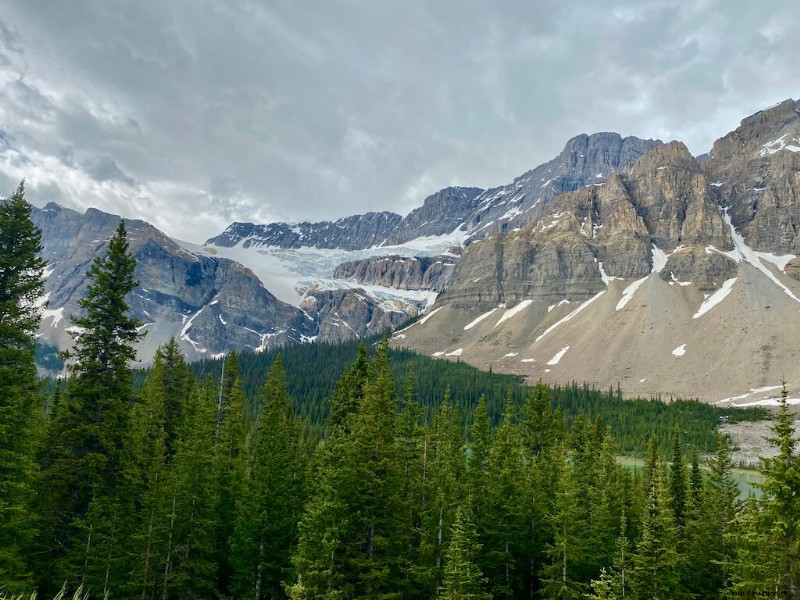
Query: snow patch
{"type": "Point", "coordinates": [743, 253]}
{"type": "Point", "coordinates": [472, 324]}
{"type": "Point", "coordinates": [680, 283]}
{"type": "Point", "coordinates": [425, 319]}
{"type": "Point", "coordinates": [511, 355]}
{"type": "Point", "coordinates": [56, 314]}
{"type": "Point", "coordinates": [629, 291]}
{"type": "Point", "coordinates": [777, 145]}
{"type": "Point", "coordinates": [552, 306]}
{"type": "Point", "coordinates": [48, 270]}
{"type": "Point", "coordinates": [528, 360]}
{"type": "Point", "coordinates": [659, 259]}
{"type": "Point", "coordinates": [558, 356]}
{"type": "Point", "coordinates": [456, 352]}
{"type": "Point", "coordinates": [679, 351]}
{"type": "Point", "coordinates": [715, 298]}
{"type": "Point", "coordinates": [438, 354]}
{"type": "Point", "coordinates": [570, 316]}
{"type": "Point", "coordinates": [605, 277]}
{"type": "Point", "coordinates": [514, 311]}
{"type": "Point", "coordinates": [752, 392]}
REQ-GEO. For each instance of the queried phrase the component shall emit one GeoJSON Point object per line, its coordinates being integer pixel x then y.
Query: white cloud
{"type": "Point", "coordinates": [209, 111]}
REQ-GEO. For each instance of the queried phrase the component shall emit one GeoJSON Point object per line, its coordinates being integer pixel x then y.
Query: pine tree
{"type": "Point", "coordinates": [503, 515]}
{"type": "Point", "coordinates": [654, 573]}
{"type": "Point", "coordinates": [354, 535]}
{"type": "Point", "coordinates": [263, 533]}
{"type": "Point", "coordinates": [463, 579]}
{"type": "Point", "coordinates": [768, 542]}
{"type": "Point", "coordinates": [21, 287]}
{"type": "Point", "coordinates": [230, 439]}
{"type": "Point", "coordinates": [190, 567]}
{"type": "Point", "coordinates": [444, 490]}
{"type": "Point", "coordinates": [87, 431]}
{"type": "Point", "coordinates": [677, 480]}
{"type": "Point", "coordinates": [568, 548]}
{"type": "Point", "coordinates": [148, 460]}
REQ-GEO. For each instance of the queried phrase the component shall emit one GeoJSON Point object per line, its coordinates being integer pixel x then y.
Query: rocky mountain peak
{"type": "Point", "coordinates": [673, 154]}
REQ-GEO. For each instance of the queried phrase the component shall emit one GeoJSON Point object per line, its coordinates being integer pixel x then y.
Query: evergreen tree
{"type": "Point", "coordinates": [769, 528]}
{"type": "Point", "coordinates": [230, 439]}
{"type": "Point", "coordinates": [190, 567]}
{"type": "Point", "coordinates": [568, 548]}
{"type": "Point", "coordinates": [677, 480]}
{"type": "Point", "coordinates": [443, 490]}
{"type": "Point", "coordinates": [21, 287]}
{"type": "Point", "coordinates": [87, 431]}
{"type": "Point", "coordinates": [354, 535]}
{"type": "Point", "coordinates": [463, 579]}
{"type": "Point", "coordinates": [264, 529]}
{"type": "Point", "coordinates": [503, 516]}
{"type": "Point", "coordinates": [654, 573]}
{"type": "Point", "coordinates": [149, 460]}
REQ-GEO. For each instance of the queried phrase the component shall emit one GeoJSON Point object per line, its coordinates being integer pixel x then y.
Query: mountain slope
{"type": "Point", "coordinates": [666, 256]}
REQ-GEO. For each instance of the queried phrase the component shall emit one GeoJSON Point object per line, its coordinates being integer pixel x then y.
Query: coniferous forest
{"type": "Point", "coordinates": [375, 483]}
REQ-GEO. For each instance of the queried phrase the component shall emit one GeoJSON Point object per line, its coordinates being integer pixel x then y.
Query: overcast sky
{"type": "Point", "coordinates": [192, 114]}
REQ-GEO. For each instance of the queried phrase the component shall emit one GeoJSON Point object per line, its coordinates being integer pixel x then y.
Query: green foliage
{"type": "Point", "coordinates": [463, 579]}
{"type": "Point", "coordinates": [21, 286]}
{"type": "Point", "coordinates": [315, 370]}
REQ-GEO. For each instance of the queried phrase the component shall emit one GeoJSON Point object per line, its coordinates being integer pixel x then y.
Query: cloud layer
{"type": "Point", "coordinates": [195, 113]}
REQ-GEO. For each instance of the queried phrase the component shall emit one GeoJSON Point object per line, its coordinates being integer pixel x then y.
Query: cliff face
{"type": "Point", "coordinates": [604, 230]}
{"type": "Point", "coordinates": [423, 273]}
{"type": "Point", "coordinates": [209, 304]}
{"type": "Point", "coordinates": [618, 281]}
{"type": "Point", "coordinates": [586, 159]}
{"type": "Point", "coordinates": [477, 213]}
{"type": "Point", "coordinates": [755, 171]}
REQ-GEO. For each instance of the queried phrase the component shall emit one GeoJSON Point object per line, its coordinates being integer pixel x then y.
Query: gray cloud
{"type": "Point", "coordinates": [191, 114]}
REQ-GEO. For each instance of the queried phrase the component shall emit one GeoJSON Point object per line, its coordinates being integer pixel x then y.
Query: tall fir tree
{"type": "Point", "coordinates": [21, 289]}
{"type": "Point", "coordinates": [768, 540]}
{"type": "Point", "coordinates": [264, 525]}
{"type": "Point", "coordinates": [654, 575]}
{"type": "Point", "coordinates": [86, 434]}
{"type": "Point", "coordinates": [354, 535]}
{"type": "Point", "coordinates": [463, 579]}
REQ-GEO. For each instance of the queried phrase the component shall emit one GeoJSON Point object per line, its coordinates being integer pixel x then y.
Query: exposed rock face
{"type": "Point", "coordinates": [349, 233]}
{"type": "Point", "coordinates": [424, 273]}
{"type": "Point", "coordinates": [211, 305]}
{"type": "Point", "coordinates": [673, 275]}
{"type": "Point", "coordinates": [585, 159]}
{"type": "Point", "coordinates": [602, 230]}
{"type": "Point", "coordinates": [755, 171]}
{"type": "Point", "coordinates": [349, 313]}
{"type": "Point", "coordinates": [441, 213]}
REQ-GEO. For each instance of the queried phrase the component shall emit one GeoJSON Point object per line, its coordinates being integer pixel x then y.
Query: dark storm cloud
{"type": "Point", "coordinates": [246, 110]}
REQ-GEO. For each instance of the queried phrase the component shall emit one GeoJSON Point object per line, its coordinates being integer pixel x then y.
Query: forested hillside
{"type": "Point", "coordinates": [398, 484]}
{"type": "Point", "coordinates": [313, 371]}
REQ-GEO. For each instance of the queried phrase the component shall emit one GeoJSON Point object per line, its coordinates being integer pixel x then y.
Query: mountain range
{"type": "Point", "coordinates": [621, 261]}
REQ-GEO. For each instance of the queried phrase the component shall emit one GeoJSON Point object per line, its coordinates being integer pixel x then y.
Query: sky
{"type": "Point", "coordinates": [192, 114]}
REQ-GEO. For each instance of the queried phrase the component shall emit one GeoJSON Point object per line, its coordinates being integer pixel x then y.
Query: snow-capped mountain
{"type": "Point", "coordinates": [620, 261]}
{"type": "Point", "coordinates": [673, 276]}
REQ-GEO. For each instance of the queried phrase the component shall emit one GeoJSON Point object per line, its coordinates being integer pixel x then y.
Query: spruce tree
{"type": "Point", "coordinates": [21, 287]}
{"type": "Point", "coordinates": [88, 428]}
{"type": "Point", "coordinates": [503, 516]}
{"type": "Point", "coordinates": [768, 542]}
{"type": "Point", "coordinates": [263, 532]}
{"type": "Point", "coordinates": [654, 573]}
{"type": "Point", "coordinates": [463, 579]}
